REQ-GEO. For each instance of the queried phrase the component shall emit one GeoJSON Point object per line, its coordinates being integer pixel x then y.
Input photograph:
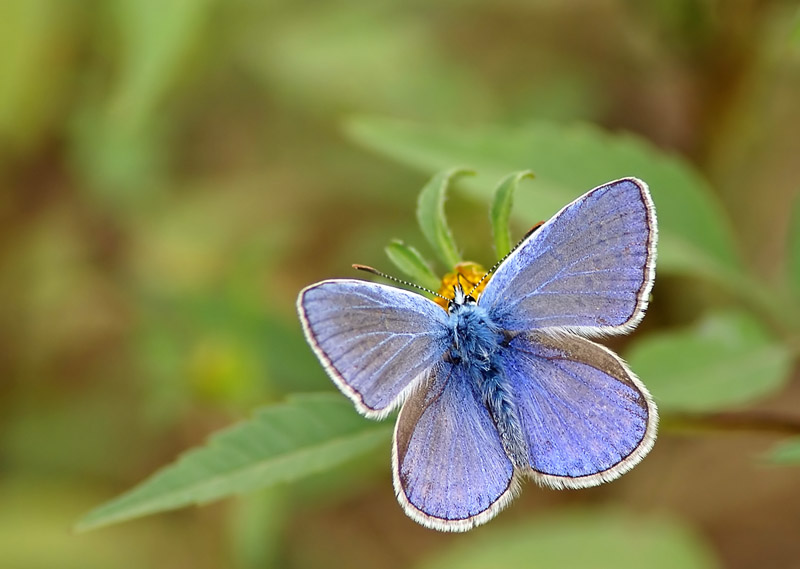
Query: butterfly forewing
{"type": "Point", "coordinates": [589, 269]}
{"type": "Point", "coordinates": [374, 340]}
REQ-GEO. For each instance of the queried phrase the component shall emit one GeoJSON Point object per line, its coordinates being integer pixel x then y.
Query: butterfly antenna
{"type": "Point", "coordinates": [530, 232]}
{"type": "Point", "coordinates": [368, 269]}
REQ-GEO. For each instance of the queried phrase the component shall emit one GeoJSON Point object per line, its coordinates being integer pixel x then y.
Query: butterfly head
{"type": "Point", "coordinates": [460, 298]}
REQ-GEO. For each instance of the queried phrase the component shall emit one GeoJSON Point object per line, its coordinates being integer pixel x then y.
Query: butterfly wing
{"type": "Point", "coordinates": [586, 417]}
{"type": "Point", "coordinates": [450, 470]}
{"type": "Point", "coordinates": [373, 340]}
{"type": "Point", "coordinates": [589, 269]}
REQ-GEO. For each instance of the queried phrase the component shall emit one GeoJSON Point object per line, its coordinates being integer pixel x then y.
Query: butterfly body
{"type": "Point", "coordinates": [477, 345]}
{"type": "Point", "coordinates": [506, 386]}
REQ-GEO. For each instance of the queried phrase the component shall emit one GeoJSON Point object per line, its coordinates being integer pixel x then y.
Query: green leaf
{"type": "Point", "coordinates": [280, 443]}
{"type": "Point", "coordinates": [695, 235]}
{"type": "Point", "coordinates": [431, 218]}
{"type": "Point", "coordinates": [599, 541]}
{"type": "Point", "coordinates": [500, 212]}
{"type": "Point", "coordinates": [724, 361]}
{"type": "Point", "coordinates": [411, 263]}
{"type": "Point", "coordinates": [787, 452]}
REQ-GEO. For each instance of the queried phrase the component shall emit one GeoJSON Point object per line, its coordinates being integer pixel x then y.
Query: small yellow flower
{"type": "Point", "coordinates": [471, 273]}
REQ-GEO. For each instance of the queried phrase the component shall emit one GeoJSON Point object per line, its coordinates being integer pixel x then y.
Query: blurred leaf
{"type": "Point", "coordinates": [500, 212]}
{"type": "Point", "coordinates": [257, 526]}
{"type": "Point", "coordinates": [83, 451]}
{"type": "Point", "coordinates": [724, 361]}
{"type": "Point", "coordinates": [291, 365]}
{"type": "Point", "coordinates": [156, 38]}
{"type": "Point", "coordinates": [787, 452]}
{"type": "Point", "coordinates": [794, 249]}
{"type": "Point", "coordinates": [38, 509]}
{"type": "Point", "coordinates": [343, 56]}
{"type": "Point", "coordinates": [431, 217]}
{"type": "Point", "coordinates": [123, 164]}
{"type": "Point", "coordinates": [35, 67]}
{"type": "Point", "coordinates": [794, 37]}
{"type": "Point", "coordinates": [280, 443]}
{"type": "Point", "coordinates": [610, 541]}
{"type": "Point", "coordinates": [568, 160]}
{"type": "Point", "coordinates": [411, 263]}
{"type": "Point", "coordinates": [121, 143]}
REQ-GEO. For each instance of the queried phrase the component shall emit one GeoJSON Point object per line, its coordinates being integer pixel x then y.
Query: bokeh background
{"type": "Point", "coordinates": [172, 173]}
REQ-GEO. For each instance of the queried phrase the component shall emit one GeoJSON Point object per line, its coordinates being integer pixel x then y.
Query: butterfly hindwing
{"type": "Point", "coordinates": [374, 340]}
{"type": "Point", "coordinates": [589, 269]}
{"type": "Point", "coordinates": [450, 470]}
{"type": "Point", "coordinates": [587, 419]}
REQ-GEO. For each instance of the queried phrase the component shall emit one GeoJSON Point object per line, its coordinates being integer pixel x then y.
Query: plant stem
{"type": "Point", "coordinates": [752, 421]}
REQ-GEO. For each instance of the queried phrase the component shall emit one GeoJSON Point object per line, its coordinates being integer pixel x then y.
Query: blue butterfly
{"type": "Point", "coordinates": [506, 385]}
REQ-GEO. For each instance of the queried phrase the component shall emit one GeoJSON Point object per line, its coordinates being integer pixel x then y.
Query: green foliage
{"type": "Point", "coordinates": [33, 529]}
{"type": "Point", "coordinates": [31, 88]}
{"type": "Point", "coordinates": [788, 452]}
{"type": "Point", "coordinates": [411, 263]}
{"type": "Point", "coordinates": [500, 211]}
{"type": "Point", "coordinates": [794, 252]}
{"type": "Point", "coordinates": [794, 36]}
{"type": "Point", "coordinates": [156, 39]}
{"type": "Point", "coordinates": [723, 361]}
{"type": "Point", "coordinates": [342, 56]}
{"type": "Point", "coordinates": [279, 444]}
{"type": "Point", "coordinates": [121, 142]}
{"type": "Point", "coordinates": [568, 160]}
{"type": "Point", "coordinates": [256, 527]}
{"type": "Point", "coordinates": [431, 218]}
{"type": "Point", "coordinates": [600, 541]}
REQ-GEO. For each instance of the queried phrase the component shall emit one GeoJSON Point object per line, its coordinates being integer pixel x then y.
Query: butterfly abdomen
{"type": "Point", "coordinates": [497, 397]}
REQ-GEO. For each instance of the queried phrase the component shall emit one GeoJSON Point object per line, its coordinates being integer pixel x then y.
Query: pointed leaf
{"type": "Point", "coordinates": [411, 263]}
{"type": "Point", "coordinates": [607, 541]}
{"type": "Point", "coordinates": [500, 212]}
{"type": "Point", "coordinates": [431, 217]}
{"type": "Point", "coordinates": [280, 443]}
{"type": "Point", "coordinates": [724, 361]}
{"type": "Point", "coordinates": [695, 235]}
{"type": "Point", "coordinates": [787, 452]}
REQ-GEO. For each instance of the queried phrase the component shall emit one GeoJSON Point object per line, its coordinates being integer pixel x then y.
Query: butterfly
{"type": "Point", "coordinates": [508, 385]}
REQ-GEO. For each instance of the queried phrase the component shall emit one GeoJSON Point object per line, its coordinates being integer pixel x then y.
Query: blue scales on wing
{"type": "Point", "coordinates": [589, 269]}
{"type": "Point", "coordinates": [587, 419]}
{"type": "Point", "coordinates": [374, 340]}
{"type": "Point", "coordinates": [450, 469]}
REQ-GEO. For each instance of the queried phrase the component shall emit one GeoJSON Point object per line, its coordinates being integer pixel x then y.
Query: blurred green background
{"type": "Point", "coordinates": [172, 173]}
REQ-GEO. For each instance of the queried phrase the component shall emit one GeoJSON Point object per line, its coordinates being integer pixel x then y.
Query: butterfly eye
{"type": "Point", "coordinates": [470, 300]}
